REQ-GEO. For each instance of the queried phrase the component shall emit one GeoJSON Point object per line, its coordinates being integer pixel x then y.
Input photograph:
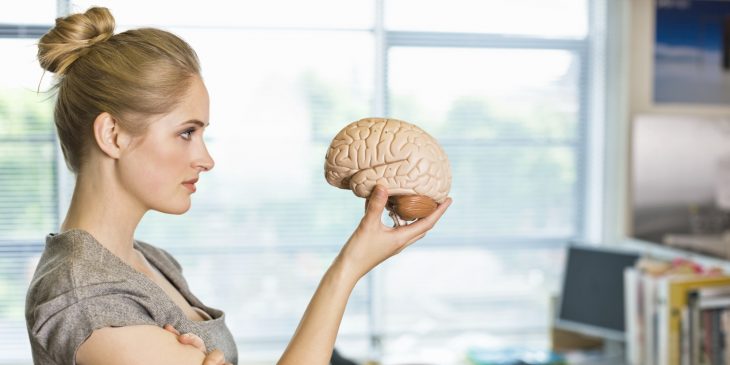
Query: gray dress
{"type": "Point", "coordinates": [80, 286]}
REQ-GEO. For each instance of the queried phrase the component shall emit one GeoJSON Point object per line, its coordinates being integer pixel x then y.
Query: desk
{"type": "Point", "coordinates": [596, 358]}
{"type": "Point", "coordinates": [606, 356]}
{"type": "Point", "coordinates": [573, 358]}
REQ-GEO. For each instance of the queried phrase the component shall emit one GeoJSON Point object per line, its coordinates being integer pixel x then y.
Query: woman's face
{"type": "Point", "coordinates": [161, 167]}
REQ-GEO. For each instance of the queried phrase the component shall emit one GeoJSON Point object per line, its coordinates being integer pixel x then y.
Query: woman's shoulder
{"type": "Point", "coordinates": [78, 287]}
{"type": "Point", "coordinates": [72, 260]}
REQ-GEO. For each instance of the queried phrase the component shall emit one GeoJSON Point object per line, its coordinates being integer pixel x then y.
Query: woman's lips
{"type": "Point", "coordinates": [190, 185]}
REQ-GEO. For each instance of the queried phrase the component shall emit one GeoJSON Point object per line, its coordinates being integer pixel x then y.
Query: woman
{"type": "Point", "coordinates": [131, 112]}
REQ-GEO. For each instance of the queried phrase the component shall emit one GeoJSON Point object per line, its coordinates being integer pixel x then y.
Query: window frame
{"type": "Point", "coordinates": [585, 147]}
{"type": "Point", "coordinates": [588, 149]}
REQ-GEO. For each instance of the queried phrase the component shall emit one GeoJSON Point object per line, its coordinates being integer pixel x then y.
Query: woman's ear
{"type": "Point", "coordinates": [107, 134]}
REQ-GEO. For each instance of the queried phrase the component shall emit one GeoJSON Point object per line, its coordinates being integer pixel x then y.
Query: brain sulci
{"type": "Point", "coordinates": [391, 152]}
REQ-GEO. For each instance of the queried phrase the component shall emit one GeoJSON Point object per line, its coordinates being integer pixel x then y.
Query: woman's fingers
{"type": "Point", "coordinates": [192, 340]}
{"type": "Point", "coordinates": [170, 328]}
{"type": "Point", "coordinates": [215, 357]}
{"type": "Point", "coordinates": [187, 339]}
{"type": "Point", "coordinates": [372, 242]}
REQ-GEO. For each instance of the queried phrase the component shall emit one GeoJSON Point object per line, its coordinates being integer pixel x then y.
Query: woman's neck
{"type": "Point", "coordinates": [102, 208]}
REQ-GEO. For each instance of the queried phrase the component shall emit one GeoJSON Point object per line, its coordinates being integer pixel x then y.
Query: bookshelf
{"type": "Point", "coordinates": [676, 312]}
{"type": "Point", "coordinates": [663, 252]}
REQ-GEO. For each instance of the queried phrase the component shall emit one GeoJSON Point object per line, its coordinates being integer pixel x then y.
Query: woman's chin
{"type": "Point", "coordinates": [175, 209]}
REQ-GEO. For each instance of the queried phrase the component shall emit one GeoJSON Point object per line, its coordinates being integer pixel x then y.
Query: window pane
{"type": "Point", "coordinates": [27, 199]}
{"type": "Point", "coordinates": [16, 269]}
{"type": "Point", "coordinates": [33, 12]}
{"type": "Point", "coordinates": [27, 147]}
{"type": "Point", "coordinates": [28, 207]}
{"type": "Point", "coordinates": [508, 119]}
{"type": "Point", "coordinates": [351, 14]}
{"type": "Point", "coordinates": [555, 18]}
{"type": "Point", "coordinates": [23, 111]}
{"type": "Point", "coordinates": [443, 300]}
{"type": "Point", "coordinates": [486, 94]}
{"type": "Point", "coordinates": [510, 191]}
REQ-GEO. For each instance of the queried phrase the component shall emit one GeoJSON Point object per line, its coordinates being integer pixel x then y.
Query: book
{"type": "Point", "coordinates": [706, 337]}
{"type": "Point", "coordinates": [662, 318]}
{"type": "Point", "coordinates": [695, 327]}
{"type": "Point", "coordinates": [674, 293]}
{"type": "Point", "coordinates": [699, 300]}
{"type": "Point", "coordinates": [684, 338]}
{"type": "Point", "coordinates": [713, 297]}
{"type": "Point", "coordinates": [633, 315]}
{"type": "Point", "coordinates": [726, 331]}
{"type": "Point", "coordinates": [641, 310]}
{"type": "Point", "coordinates": [650, 320]}
{"type": "Point", "coordinates": [716, 336]}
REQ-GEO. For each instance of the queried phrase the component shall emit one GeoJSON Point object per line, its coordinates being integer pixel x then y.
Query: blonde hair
{"type": "Point", "coordinates": [131, 75]}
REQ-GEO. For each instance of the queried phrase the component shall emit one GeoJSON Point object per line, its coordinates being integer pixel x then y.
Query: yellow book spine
{"type": "Point", "coordinates": [679, 288]}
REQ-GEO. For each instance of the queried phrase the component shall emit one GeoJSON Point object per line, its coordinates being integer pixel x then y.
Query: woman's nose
{"type": "Point", "coordinates": [206, 162]}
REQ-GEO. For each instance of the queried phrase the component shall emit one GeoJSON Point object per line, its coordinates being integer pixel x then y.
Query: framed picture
{"type": "Point", "coordinates": [692, 52]}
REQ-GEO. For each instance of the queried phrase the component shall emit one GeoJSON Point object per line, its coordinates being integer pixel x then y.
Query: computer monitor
{"type": "Point", "coordinates": [592, 295]}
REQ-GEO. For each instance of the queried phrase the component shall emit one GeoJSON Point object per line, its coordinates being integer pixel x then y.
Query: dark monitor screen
{"type": "Point", "coordinates": [592, 298]}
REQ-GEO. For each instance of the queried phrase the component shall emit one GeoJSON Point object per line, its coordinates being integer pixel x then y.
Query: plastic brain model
{"type": "Point", "coordinates": [393, 153]}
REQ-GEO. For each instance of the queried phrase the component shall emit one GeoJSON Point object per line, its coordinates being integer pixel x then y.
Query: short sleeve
{"type": "Point", "coordinates": [63, 323]}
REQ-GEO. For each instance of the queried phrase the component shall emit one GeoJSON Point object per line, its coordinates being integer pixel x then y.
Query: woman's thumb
{"type": "Point", "coordinates": [376, 203]}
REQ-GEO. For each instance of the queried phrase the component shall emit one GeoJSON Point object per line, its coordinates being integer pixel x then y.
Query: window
{"type": "Point", "coordinates": [27, 186]}
{"type": "Point", "coordinates": [504, 86]}
{"type": "Point", "coordinates": [509, 120]}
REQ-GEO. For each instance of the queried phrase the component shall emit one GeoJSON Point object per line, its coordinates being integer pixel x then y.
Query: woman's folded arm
{"type": "Point", "coordinates": [133, 345]}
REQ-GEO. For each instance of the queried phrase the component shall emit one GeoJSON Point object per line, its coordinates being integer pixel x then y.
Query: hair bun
{"type": "Point", "coordinates": [72, 36]}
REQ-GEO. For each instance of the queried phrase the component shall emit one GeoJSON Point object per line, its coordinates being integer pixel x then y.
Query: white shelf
{"type": "Point", "coordinates": [661, 251]}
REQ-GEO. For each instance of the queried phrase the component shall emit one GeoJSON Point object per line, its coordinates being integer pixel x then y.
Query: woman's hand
{"type": "Point", "coordinates": [215, 357]}
{"type": "Point", "coordinates": [373, 242]}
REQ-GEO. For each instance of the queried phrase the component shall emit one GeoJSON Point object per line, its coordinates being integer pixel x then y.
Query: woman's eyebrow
{"type": "Point", "coordinates": [195, 121]}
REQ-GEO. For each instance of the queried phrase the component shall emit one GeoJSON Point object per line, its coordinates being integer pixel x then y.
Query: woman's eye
{"type": "Point", "coordinates": [187, 134]}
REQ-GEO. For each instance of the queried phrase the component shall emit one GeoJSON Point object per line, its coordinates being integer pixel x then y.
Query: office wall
{"type": "Point", "coordinates": [631, 93]}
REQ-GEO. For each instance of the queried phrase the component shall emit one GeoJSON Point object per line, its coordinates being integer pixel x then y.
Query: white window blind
{"type": "Point", "coordinates": [507, 97]}
{"type": "Point", "coordinates": [28, 195]}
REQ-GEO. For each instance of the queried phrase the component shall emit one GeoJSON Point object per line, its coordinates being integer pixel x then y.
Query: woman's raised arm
{"type": "Point", "coordinates": [370, 244]}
